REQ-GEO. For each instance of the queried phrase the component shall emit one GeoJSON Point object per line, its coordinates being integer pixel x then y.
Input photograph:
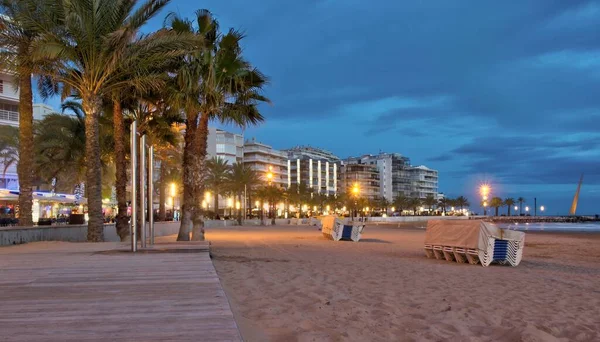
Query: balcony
{"type": "Point", "coordinates": [9, 115]}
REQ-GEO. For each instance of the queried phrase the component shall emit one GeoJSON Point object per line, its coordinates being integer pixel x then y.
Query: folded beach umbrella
{"type": "Point", "coordinates": [473, 241]}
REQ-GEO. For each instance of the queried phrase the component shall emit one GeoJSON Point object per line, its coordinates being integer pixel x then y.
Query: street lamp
{"type": "Point", "coordinates": [173, 191]}
{"type": "Point", "coordinates": [355, 192]}
{"type": "Point", "coordinates": [485, 208]}
{"type": "Point", "coordinates": [527, 209]}
{"type": "Point", "coordinates": [542, 208]}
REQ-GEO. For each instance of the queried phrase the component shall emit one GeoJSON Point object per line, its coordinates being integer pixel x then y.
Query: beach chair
{"type": "Point", "coordinates": [475, 242]}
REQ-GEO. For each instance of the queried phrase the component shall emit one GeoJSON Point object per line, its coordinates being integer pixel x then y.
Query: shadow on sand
{"type": "Point", "coordinates": [374, 241]}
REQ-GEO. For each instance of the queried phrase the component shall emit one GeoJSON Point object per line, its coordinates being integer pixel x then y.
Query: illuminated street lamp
{"type": "Point", "coordinates": [355, 192]}
{"type": "Point", "coordinates": [173, 192]}
{"type": "Point", "coordinates": [542, 208]}
{"type": "Point", "coordinates": [527, 209]}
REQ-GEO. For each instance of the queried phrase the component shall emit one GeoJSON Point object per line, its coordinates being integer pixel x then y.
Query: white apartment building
{"type": "Point", "coordinates": [40, 110]}
{"type": "Point", "coordinates": [394, 173]}
{"type": "Point", "coordinates": [264, 160]}
{"type": "Point", "coordinates": [225, 145]}
{"type": "Point", "coordinates": [424, 182]}
{"type": "Point", "coordinates": [315, 167]}
{"type": "Point", "coordinates": [9, 115]}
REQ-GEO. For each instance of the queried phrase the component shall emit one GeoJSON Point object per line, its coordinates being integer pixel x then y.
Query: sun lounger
{"type": "Point", "coordinates": [475, 242]}
{"type": "Point", "coordinates": [335, 229]}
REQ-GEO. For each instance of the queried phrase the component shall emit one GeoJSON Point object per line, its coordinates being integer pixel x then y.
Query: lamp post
{"type": "Point", "coordinates": [542, 208]}
{"type": "Point", "coordinates": [271, 200]}
{"type": "Point", "coordinates": [173, 193]}
{"type": "Point", "coordinates": [527, 209]}
{"type": "Point", "coordinates": [484, 191]}
{"type": "Point", "coordinates": [355, 192]}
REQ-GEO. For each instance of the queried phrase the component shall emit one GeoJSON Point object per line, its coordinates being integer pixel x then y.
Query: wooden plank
{"type": "Point", "coordinates": [80, 292]}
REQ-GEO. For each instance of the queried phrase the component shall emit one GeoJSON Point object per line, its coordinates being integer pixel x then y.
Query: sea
{"type": "Point", "coordinates": [553, 227]}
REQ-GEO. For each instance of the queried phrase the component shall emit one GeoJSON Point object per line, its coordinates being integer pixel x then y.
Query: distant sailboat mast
{"type": "Point", "coordinates": [576, 198]}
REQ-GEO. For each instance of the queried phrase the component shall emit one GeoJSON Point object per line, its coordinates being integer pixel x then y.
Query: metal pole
{"type": "Point", "coordinates": [535, 206]}
{"type": "Point", "coordinates": [134, 186]}
{"type": "Point", "coordinates": [143, 189]}
{"type": "Point", "coordinates": [245, 208]}
{"type": "Point", "coordinates": [151, 192]}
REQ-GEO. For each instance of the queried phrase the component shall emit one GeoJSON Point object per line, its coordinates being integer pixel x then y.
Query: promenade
{"type": "Point", "coordinates": [59, 291]}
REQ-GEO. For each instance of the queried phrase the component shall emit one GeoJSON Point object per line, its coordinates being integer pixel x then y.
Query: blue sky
{"type": "Point", "coordinates": [497, 91]}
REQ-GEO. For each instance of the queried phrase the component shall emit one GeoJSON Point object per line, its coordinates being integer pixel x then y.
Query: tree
{"type": "Point", "coordinates": [212, 83]}
{"type": "Point", "coordinates": [496, 203]}
{"type": "Point", "coordinates": [401, 202]}
{"type": "Point", "coordinates": [462, 202]}
{"type": "Point", "coordinates": [91, 59]}
{"type": "Point", "coordinates": [521, 200]}
{"type": "Point", "coordinates": [217, 171]}
{"type": "Point", "coordinates": [429, 201]}
{"type": "Point", "coordinates": [299, 194]}
{"type": "Point", "coordinates": [443, 203]}
{"type": "Point", "coordinates": [413, 203]}
{"type": "Point", "coordinates": [270, 194]}
{"type": "Point", "coordinates": [383, 204]}
{"type": "Point", "coordinates": [9, 146]}
{"type": "Point", "coordinates": [509, 202]}
{"type": "Point", "coordinates": [18, 33]}
{"type": "Point", "coordinates": [242, 180]}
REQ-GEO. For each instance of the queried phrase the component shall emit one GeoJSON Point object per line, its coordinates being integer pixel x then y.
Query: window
{"type": "Point", "coordinates": [1, 86]}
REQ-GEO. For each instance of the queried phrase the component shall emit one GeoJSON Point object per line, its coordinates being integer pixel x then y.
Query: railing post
{"type": "Point", "coordinates": [134, 185]}
{"type": "Point", "coordinates": [143, 189]}
{"type": "Point", "coordinates": [151, 192]}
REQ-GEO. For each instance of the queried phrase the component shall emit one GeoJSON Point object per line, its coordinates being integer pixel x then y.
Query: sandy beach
{"type": "Point", "coordinates": [291, 284]}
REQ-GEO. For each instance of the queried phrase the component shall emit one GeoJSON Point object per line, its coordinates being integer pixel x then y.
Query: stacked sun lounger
{"type": "Point", "coordinates": [473, 241]}
{"type": "Point", "coordinates": [336, 229]}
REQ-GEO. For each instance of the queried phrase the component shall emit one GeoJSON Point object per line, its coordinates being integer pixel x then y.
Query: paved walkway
{"type": "Point", "coordinates": [58, 291]}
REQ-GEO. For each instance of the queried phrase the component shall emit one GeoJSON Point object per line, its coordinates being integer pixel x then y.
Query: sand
{"type": "Point", "coordinates": [291, 284]}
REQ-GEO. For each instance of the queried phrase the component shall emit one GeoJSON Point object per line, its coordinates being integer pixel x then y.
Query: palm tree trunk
{"type": "Point", "coordinates": [496, 211]}
{"type": "Point", "coordinates": [189, 201]}
{"type": "Point", "coordinates": [25, 164]}
{"type": "Point", "coordinates": [216, 203]}
{"type": "Point", "coordinates": [202, 144]}
{"type": "Point", "coordinates": [508, 210]}
{"type": "Point", "coordinates": [239, 212]}
{"type": "Point", "coordinates": [162, 212]}
{"type": "Point", "coordinates": [122, 222]}
{"type": "Point", "coordinates": [91, 106]}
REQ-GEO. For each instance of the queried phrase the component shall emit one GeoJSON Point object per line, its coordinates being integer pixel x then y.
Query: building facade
{"type": "Point", "coordinates": [264, 159]}
{"type": "Point", "coordinates": [395, 178]}
{"type": "Point", "coordinates": [9, 116]}
{"type": "Point", "coordinates": [314, 167]}
{"type": "Point", "coordinates": [225, 145]}
{"type": "Point", "coordinates": [40, 110]}
{"type": "Point", "coordinates": [365, 176]}
{"type": "Point", "coordinates": [424, 182]}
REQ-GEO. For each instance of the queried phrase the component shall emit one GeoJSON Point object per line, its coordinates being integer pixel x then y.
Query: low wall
{"type": "Point", "coordinates": [71, 233]}
{"type": "Point", "coordinates": [414, 218]}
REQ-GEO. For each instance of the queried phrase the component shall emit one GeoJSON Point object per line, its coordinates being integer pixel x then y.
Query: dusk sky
{"type": "Point", "coordinates": [501, 91]}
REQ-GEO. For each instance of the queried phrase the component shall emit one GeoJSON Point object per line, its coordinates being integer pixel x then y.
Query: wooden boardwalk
{"type": "Point", "coordinates": [57, 291]}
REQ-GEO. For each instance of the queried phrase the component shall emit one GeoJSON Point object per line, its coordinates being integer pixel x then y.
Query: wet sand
{"type": "Point", "coordinates": [291, 284]}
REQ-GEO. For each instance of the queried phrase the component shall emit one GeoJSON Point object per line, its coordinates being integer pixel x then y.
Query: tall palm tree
{"type": "Point", "coordinates": [496, 203]}
{"type": "Point", "coordinates": [401, 202]}
{"type": "Point", "coordinates": [509, 202]}
{"type": "Point", "coordinates": [18, 32]}
{"type": "Point", "coordinates": [443, 203]}
{"type": "Point", "coordinates": [413, 203]}
{"type": "Point", "coordinates": [462, 202]}
{"type": "Point", "coordinates": [217, 171]}
{"type": "Point", "coordinates": [521, 200]}
{"type": "Point", "coordinates": [89, 49]}
{"type": "Point", "coordinates": [213, 83]}
{"type": "Point", "coordinates": [242, 179]}
{"type": "Point", "coordinates": [429, 201]}
{"type": "Point", "coordinates": [270, 194]}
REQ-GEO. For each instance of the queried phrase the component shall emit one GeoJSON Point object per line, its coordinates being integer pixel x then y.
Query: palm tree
{"type": "Point", "coordinates": [429, 201]}
{"type": "Point", "coordinates": [214, 82]}
{"type": "Point", "coordinates": [509, 202]}
{"type": "Point", "coordinates": [218, 169]}
{"type": "Point", "coordinates": [91, 56]}
{"type": "Point", "coordinates": [496, 202]}
{"type": "Point", "coordinates": [521, 200]}
{"type": "Point", "coordinates": [9, 146]}
{"type": "Point", "coordinates": [413, 203]}
{"type": "Point", "coordinates": [299, 194]}
{"type": "Point", "coordinates": [462, 202]}
{"type": "Point", "coordinates": [242, 179]}
{"type": "Point", "coordinates": [271, 194]}
{"type": "Point", "coordinates": [443, 203]}
{"type": "Point", "coordinates": [401, 202]}
{"type": "Point", "coordinates": [18, 32]}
